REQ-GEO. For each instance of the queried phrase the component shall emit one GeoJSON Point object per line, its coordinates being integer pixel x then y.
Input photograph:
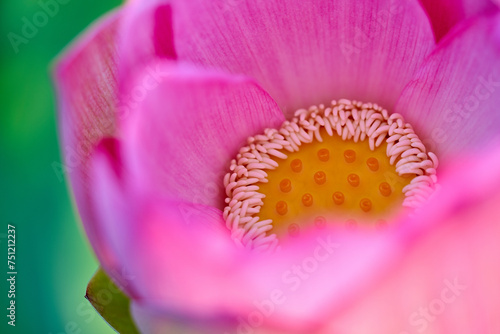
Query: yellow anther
{"type": "Point", "coordinates": [307, 199]}
{"type": "Point", "coordinates": [372, 164]}
{"type": "Point", "coordinates": [320, 177]}
{"type": "Point", "coordinates": [281, 208]}
{"type": "Point", "coordinates": [365, 204]}
{"type": "Point", "coordinates": [385, 189]}
{"type": "Point", "coordinates": [296, 165]}
{"type": "Point", "coordinates": [349, 156]}
{"type": "Point", "coordinates": [286, 185]}
{"type": "Point", "coordinates": [353, 180]}
{"type": "Point", "coordinates": [324, 155]}
{"type": "Point", "coordinates": [338, 198]}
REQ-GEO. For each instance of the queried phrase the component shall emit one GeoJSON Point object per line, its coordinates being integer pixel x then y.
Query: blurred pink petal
{"type": "Point", "coordinates": [306, 52]}
{"type": "Point", "coordinates": [448, 280]}
{"type": "Point", "coordinates": [86, 83]}
{"type": "Point", "coordinates": [445, 14]}
{"type": "Point", "coordinates": [222, 286]}
{"type": "Point", "coordinates": [120, 222]}
{"type": "Point", "coordinates": [190, 124]}
{"type": "Point", "coordinates": [153, 321]}
{"type": "Point", "coordinates": [181, 258]}
{"type": "Point", "coordinates": [453, 100]}
{"type": "Point", "coordinates": [151, 200]}
{"type": "Point", "coordinates": [149, 31]}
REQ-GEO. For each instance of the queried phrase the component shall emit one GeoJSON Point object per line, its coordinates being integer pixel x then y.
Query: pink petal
{"type": "Point", "coordinates": [448, 281]}
{"type": "Point", "coordinates": [195, 252]}
{"type": "Point", "coordinates": [453, 100]}
{"type": "Point", "coordinates": [121, 210]}
{"type": "Point", "coordinates": [180, 259]}
{"type": "Point", "coordinates": [85, 80]}
{"type": "Point", "coordinates": [445, 14]}
{"type": "Point", "coordinates": [148, 28]}
{"type": "Point", "coordinates": [188, 240]}
{"type": "Point", "coordinates": [153, 321]}
{"type": "Point", "coordinates": [108, 180]}
{"type": "Point", "coordinates": [182, 135]}
{"type": "Point", "coordinates": [307, 52]}
{"type": "Point", "coordinates": [182, 268]}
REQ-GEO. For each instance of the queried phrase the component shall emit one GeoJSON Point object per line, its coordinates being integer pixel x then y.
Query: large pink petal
{"type": "Point", "coordinates": [121, 211]}
{"type": "Point", "coordinates": [150, 320]}
{"type": "Point", "coordinates": [194, 275]}
{"type": "Point", "coordinates": [453, 100]}
{"type": "Point", "coordinates": [108, 181]}
{"type": "Point", "coordinates": [85, 77]}
{"type": "Point", "coordinates": [182, 135]}
{"type": "Point", "coordinates": [187, 246]}
{"type": "Point", "coordinates": [182, 262]}
{"type": "Point", "coordinates": [178, 257]}
{"type": "Point", "coordinates": [445, 14]}
{"type": "Point", "coordinates": [448, 281]}
{"type": "Point", "coordinates": [306, 52]}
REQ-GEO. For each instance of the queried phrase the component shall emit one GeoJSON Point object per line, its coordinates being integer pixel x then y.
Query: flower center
{"type": "Point", "coordinates": [349, 162]}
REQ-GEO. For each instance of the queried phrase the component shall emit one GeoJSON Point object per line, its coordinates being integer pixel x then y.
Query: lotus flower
{"type": "Point", "coordinates": [159, 97]}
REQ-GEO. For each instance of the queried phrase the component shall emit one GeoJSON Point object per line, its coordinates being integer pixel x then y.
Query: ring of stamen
{"type": "Point", "coordinates": [350, 120]}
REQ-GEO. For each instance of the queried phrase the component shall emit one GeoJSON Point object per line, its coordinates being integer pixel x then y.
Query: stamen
{"type": "Point", "coordinates": [324, 155]}
{"type": "Point", "coordinates": [372, 164]}
{"type": "Point", "coordinates": [307, 200]}
{"type": "Point", "coordinates": [385, 189]}
{"type": "Point", "coordinates": [350, 156]}
{"type": "Point", "coordinates": [338, 198]}
{"type": "Point", "coordinates": [296, 165]}
{"type": "Point", "coordinates": [365, 204]}
{"type": "Point", "coordinates": [353, 180]}
{"type": "Point", "coordinates": [281, 208]}
{"type": "Point", "coordinates": [320, 177]}
{"type": "Point", "coordinates": [349, 121]}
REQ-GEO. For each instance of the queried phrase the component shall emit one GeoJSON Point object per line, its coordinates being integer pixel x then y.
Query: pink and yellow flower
{"type": "Point", "coordinates": [159, 97]}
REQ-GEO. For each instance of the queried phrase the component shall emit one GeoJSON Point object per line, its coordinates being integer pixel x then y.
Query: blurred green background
{"type": "Point", "coordinates": [54, 260]}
